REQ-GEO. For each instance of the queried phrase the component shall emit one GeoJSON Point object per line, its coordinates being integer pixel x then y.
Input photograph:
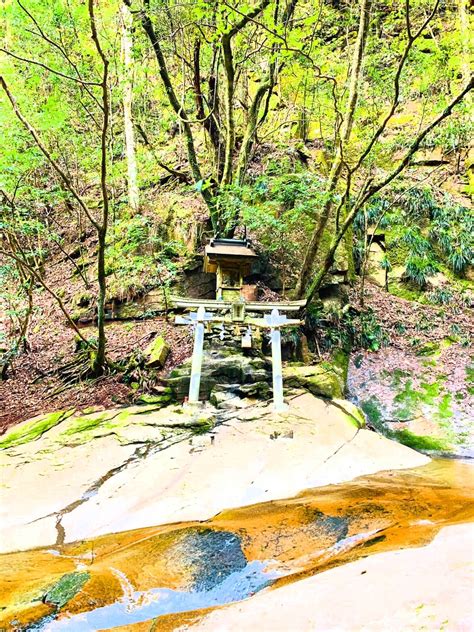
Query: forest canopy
{"type": "Point", "coordinates": [312, 123]}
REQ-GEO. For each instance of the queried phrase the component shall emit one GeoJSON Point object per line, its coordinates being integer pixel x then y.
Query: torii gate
{"type": "Point", "coordinates": [274, 321]}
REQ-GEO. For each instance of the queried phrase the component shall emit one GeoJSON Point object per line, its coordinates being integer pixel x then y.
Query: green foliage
{"type": "Point", "coordinates": [367, 332]}
{"type": "Point", "coordinates": [278, 212]}
{"type": "Point", "coordinates": [440, 296]}
{"type": "Point", "coordinates": [429, 232]}
{"type": "Point", "coordinates": [454, 134]}
{"type": "Point", "coordinates": [283, 193]}
{"type": "Point", "coordinates": [452, 227]}
{"type": "Point", "coordinates": [354, 330]}
{"type": "Point", "coordinates": [138, 257]}
{"type": "Point", "coordinates": [420, 268]}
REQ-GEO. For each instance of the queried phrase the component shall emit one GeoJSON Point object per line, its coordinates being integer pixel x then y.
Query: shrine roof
{"type": "Point", "coordinates": [230, 248]}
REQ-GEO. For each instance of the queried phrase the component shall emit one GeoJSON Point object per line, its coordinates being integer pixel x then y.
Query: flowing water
{"type": "Point", "coordinates": [175, 571]}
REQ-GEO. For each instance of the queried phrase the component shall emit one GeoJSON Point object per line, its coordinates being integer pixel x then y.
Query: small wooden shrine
{"type": "Point", "coordinates": [231, 261]}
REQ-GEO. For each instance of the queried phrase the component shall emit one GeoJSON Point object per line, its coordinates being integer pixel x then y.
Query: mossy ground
{"type": "Point", "coordinates": [34, 429]}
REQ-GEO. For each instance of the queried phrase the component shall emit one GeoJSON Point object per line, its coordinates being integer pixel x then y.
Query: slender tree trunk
{"type": "Point", "coordinates": [100, 357]}
{"type": "Point", "coordinates": [229, 108]}
{"type": "Point", "coordinates": [133, 192]}
{"type": "Point", "coordinates": [23, 336]}
{"type": "Point", "coordinates": [372, 190]}
{"type": "Point", "coordinates": [465, 39]}
{"type": "Point", "coordinates": [365, 261]}
{"type": "Point", "coordinates": [100, 360]}
{"type": "Point", "coordinates": [244, 154]}
{"type": "Point", "coordinates": [337, 164]}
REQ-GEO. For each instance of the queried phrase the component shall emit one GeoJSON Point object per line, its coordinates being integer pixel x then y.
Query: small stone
{"type": "Point", "coordinates": [157, 352]}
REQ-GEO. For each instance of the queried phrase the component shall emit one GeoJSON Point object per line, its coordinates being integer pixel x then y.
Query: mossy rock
{"type": "Point", "coordinates": [354, 414]}
{"type": "Point", "coordinates": [219, 368]}
{"type": "Point", "coordinates": [163, 399]}
{"type": "Point", "coordinates": [260, 390]}
{"type": "Point", "coordinates": [340, 362]}
{"type": "Point", "coordinates": [422, 443]}
{"type": "Point", "coordinates": [33, 429]}
{"type": "Point", "coordinates": [157, 352]}
{"type": "Point", "coordinates": [86, 423]}
{"type": "Point", "coordinates": [65, 589]}
{"type": "Point", "coordinates": [322, 380]}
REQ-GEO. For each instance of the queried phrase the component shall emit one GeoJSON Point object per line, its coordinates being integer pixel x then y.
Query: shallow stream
{"type": "Point", "coordinates": [175, 571]}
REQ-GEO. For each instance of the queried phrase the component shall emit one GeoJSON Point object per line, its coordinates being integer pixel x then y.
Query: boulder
{"type": "Point", "coordinates": [324, 379]}
{"type": "Point", "coordinates": [157, 352]}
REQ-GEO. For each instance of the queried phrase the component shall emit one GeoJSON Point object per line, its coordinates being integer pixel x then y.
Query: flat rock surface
{"type": "Point", "coordinates": [137, 467]}
{"type": "Point", "coordinates": [427, 588]}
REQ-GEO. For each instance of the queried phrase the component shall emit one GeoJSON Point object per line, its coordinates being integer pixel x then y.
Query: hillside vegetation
{"type": "Point", "coordinates": [337, 135]}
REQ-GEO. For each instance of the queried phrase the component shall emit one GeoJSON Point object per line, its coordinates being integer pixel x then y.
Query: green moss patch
{"type": "Point", "coordinates": [373, 409]}
{"type": "Point", "coordinates": [65, 589]}
{"type": "Point", "coordinates": [161, 400]}
{"type": "Point", "coordinates": [83, 424]}
{"type": "Point", "coordinates": [322, 380]}
{"type": "Point", "coordinates": [30, 431]}
{"type": "Point", "coordinates": [422, 443]}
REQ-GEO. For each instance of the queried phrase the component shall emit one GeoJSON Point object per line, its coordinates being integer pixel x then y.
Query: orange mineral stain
{"type": "Point", "coordinates": [131, 572]}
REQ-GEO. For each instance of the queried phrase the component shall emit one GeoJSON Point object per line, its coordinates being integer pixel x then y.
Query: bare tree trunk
{"type": "Point", "coordinates": [229, 108]}
{"type": "Point", "coordinates": [229, 70]}
{"type": "Point", "coordinates": [206, 193]}
{"type": "Point", "coordinates": [464, 30]}
{"type": "Point", "coordinates": [100, 360]}
{"type": "Point", "coordinates": [133, 193]}
{"type": "Point", "coordinates": [337, 164]}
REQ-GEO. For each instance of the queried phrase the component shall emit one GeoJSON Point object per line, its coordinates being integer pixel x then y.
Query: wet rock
{"type": "Point", "coordinates": [65, 589]}
{"type": "Point", "coordinates": [215, 555]}
{"type": "Point", "coordinates": [108, 486]}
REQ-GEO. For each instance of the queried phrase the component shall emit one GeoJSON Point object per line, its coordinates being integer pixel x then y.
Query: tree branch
{"type": "Point", "coordinates": [67, 182]}
{"type": "Point", "coordinates": [251, 15]}
{"type": "Point", "coordinates": [375, 188]}
{"type": "Point", "coordinates": [396, 96]}
{"type": "Point", "coordinates": [54, 44]}
{"type": "Point", "coordinates": [35, 274]}
{"type": "Point", "coordinates": [49, 69]}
